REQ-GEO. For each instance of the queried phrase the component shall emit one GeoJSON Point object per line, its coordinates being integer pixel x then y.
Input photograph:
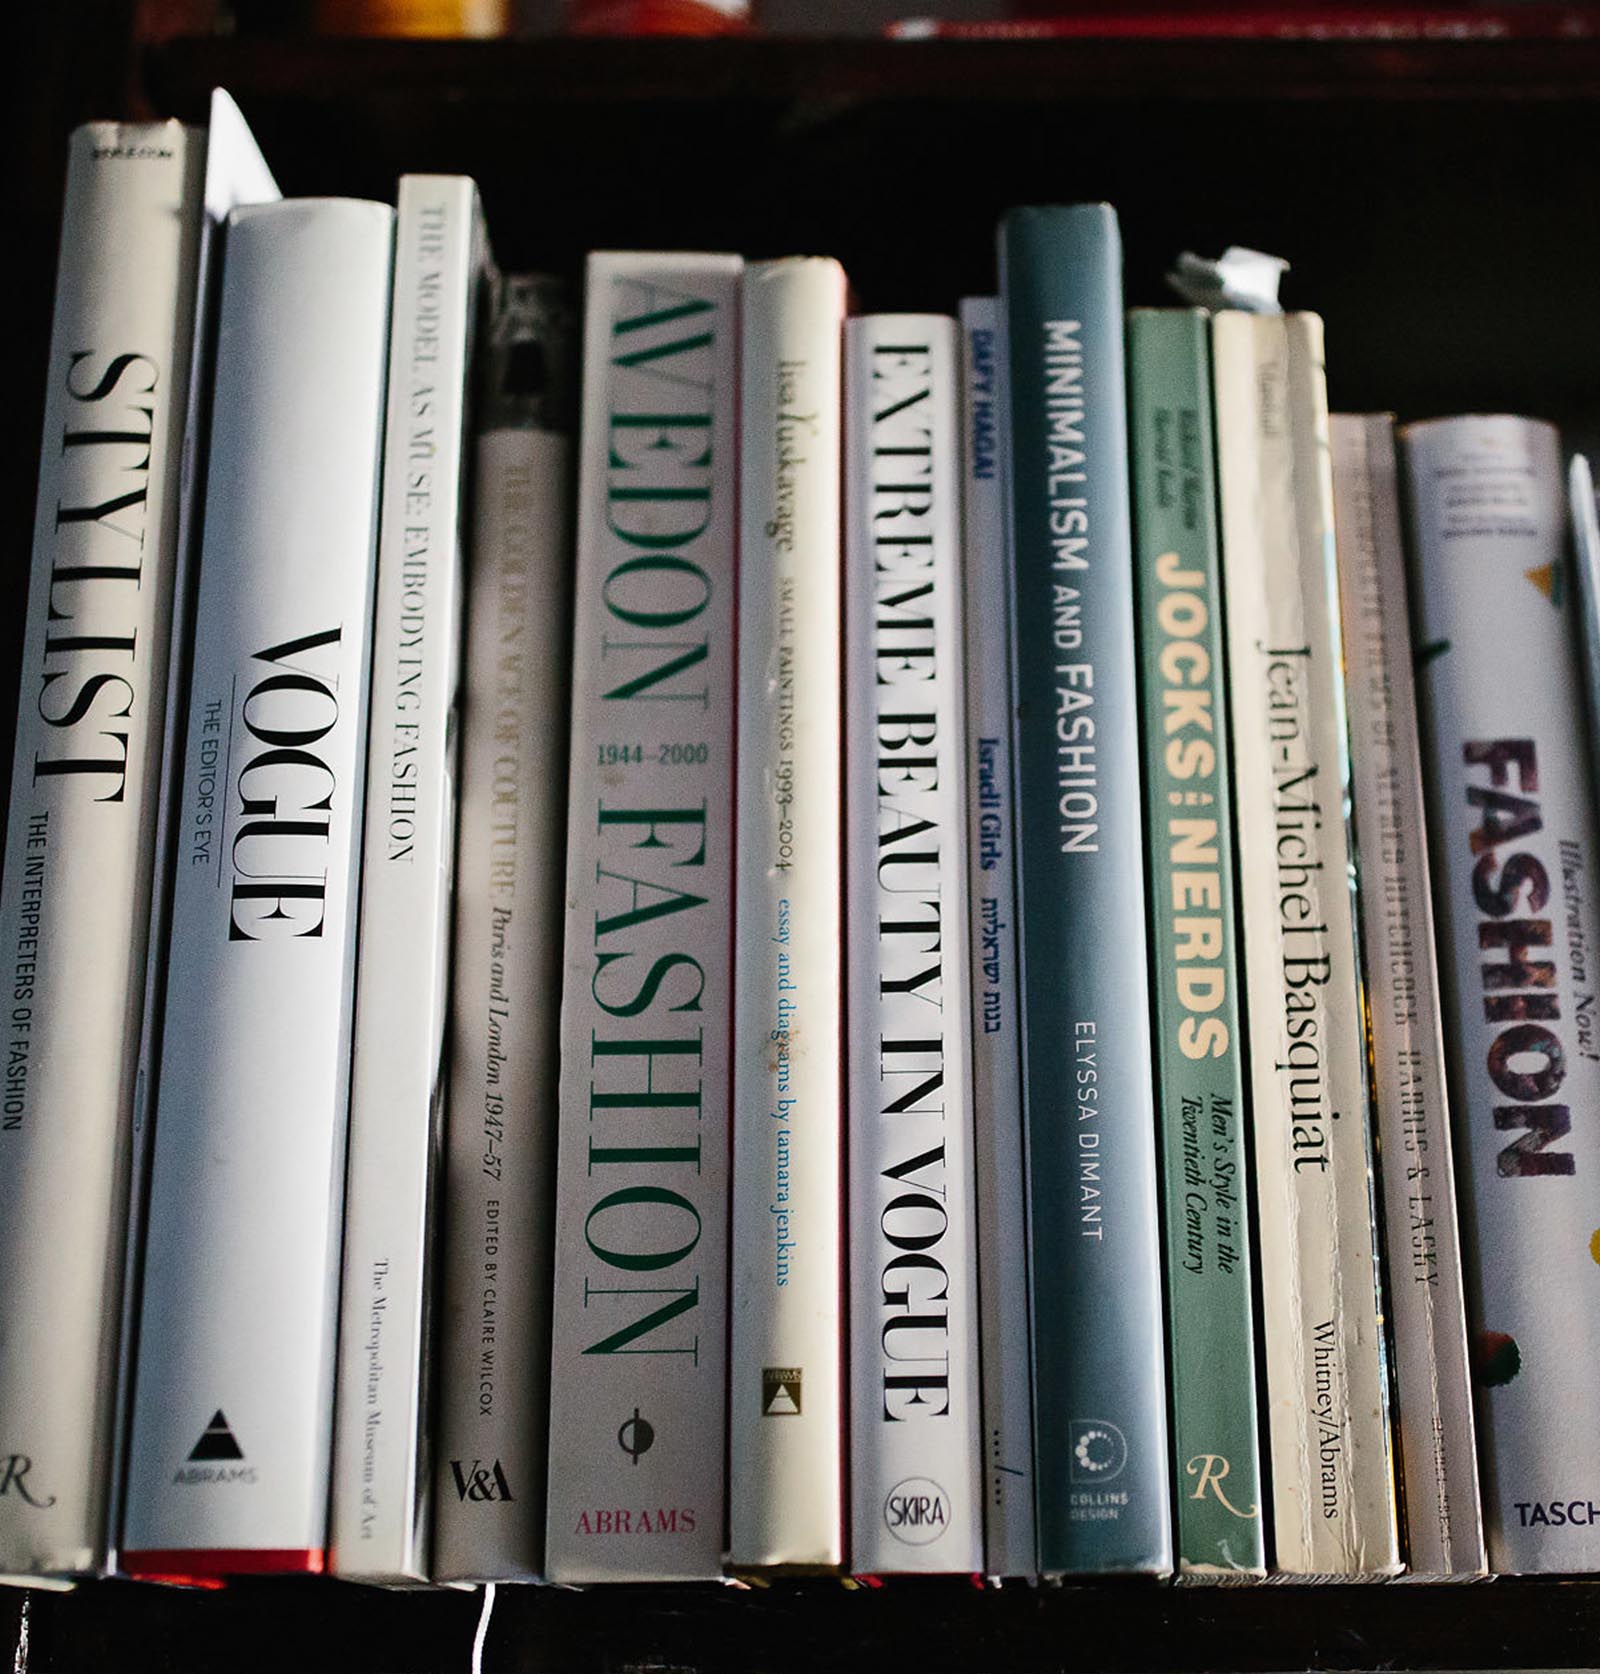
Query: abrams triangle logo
{"type": "Point", "coordinates": [780, 1391]}
{"type": "Point", "coordinates": [216, 1441]}
{"type": "Point", "coordinates": [216, 1458]}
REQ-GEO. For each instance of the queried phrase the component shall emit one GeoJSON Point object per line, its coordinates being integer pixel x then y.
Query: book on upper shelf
{"type": "Point", "coordinates": [638, 1367]}
{"type": "Point", "coordinates": [1100, 1395]}
{"type": "Point", "coordinates": [491, 1435]}
{"type": "Point", "coordinates": [1201, 1057]}
{"type": "Point", "coordinates": [1511, 799]}
{"type": "Point", "coordinates": [232, 1407]}
{"type": "Point", "coordinates": [1322, 1328]}
{"type": "Point", "coordinates": [786, 1398]}
{"type": "Point", "coordinates": [915, 1418]}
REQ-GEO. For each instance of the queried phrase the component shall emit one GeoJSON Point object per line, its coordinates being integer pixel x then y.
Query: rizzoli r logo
{"type": "Point", "coordinates": [479, 1482]}
{"type": "Point", "coordinates": [14, 1470]}
{"type": "Point", "coordinates": [1210, 1469]}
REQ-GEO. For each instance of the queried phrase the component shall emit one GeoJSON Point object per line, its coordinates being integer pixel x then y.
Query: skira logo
{"type": "Point", "coordinates": [916, 1511]}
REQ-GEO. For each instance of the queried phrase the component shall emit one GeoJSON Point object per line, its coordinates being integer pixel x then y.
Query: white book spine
{"type": "Point", "coordinates": [232, 1412]}
{"type": "Point", "coordinates": [637, 1430]}
{"type": "Point", "coordinates": [916, 1446]}
{"type": "Point", "coordinates": [1328, 1419]}
{"type": "Point", "coordinates": [999, 1157]}
{"type": "Point", "coordinates": [786, 1372]}
{"type": "Point", "coordinates": [1438, 1447]}
{"type": "Point", "coordinates": [235, 174]}
{"type": "Point", "coordinates": [489, 1472]}
{"type": "Point", "coordinates": [1586, 573]}
{"type": "Point", "coordinates": [1513, 825]}
{"type": "Point", "coordinates": [80, 837]}
{"type": "Point", "coordinates": [381, 1464]}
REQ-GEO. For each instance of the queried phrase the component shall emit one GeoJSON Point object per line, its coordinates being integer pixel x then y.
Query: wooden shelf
{"type": "Point", "coordinates": [814, 1628]}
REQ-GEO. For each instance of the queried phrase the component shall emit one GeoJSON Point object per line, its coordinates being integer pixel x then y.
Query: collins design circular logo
{"type": "Point", "coordinates": [916, 1511]}
{"type": "Point", "coordinates": [1099, 1450]}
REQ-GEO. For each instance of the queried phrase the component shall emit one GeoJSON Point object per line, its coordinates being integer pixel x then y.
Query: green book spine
{"type": "Point", "coordinates": [1099, 1378]}
{"type": "Point", "coordinates": [1193, 944]}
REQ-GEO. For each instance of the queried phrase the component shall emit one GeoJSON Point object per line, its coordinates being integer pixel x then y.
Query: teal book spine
{"type": "Point", "coordinates": [1099, 1376]}
{"type": "Point", "coordinates": [1194, 949]}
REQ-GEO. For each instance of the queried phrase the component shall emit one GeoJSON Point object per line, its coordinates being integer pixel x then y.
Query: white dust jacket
{"type": "Point", "coordinates": [786, 1368]}
{"type": "Point", "coordinates": [382, 1466]}
{"type": "Point", "coordinates": [81, 833]}
{"type": "Point", "coordinates": [916, 1445]}
{"type": "Point", "coordinates": [1513, 820]}
{"type": "Point", "coordinates": [235, 173]}
{"type": "Point", "coordinates": [638, 1436]}
{"type": "Point", "coordinates": [228, 1468]}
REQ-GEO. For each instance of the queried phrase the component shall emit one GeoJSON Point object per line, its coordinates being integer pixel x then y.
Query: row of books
{"type": "Point", "coordinates": [890, 1055]}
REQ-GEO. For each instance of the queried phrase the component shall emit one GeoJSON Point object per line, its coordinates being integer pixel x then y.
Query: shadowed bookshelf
{"type": "Point", "coordinates": [1439, 206]}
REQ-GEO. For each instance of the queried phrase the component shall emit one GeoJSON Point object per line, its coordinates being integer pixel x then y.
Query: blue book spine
{"type": "Point", "coordinates": [1099, 1386]}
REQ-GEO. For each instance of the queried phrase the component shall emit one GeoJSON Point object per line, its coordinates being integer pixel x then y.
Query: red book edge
{"type": "Point", "coordinates": [210, 1568]}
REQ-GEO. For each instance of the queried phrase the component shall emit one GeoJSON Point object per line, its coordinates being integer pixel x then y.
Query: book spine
{"type": "Point", "coordinates": [80, 834]}
{"type": "Point", "coordinates": [786, 1358]}
{"type": "Point", "coordinates": [497, 1183]}
{"type": "Point", "coordinates": [1328, 1426]}
{"type": "Point", "coordinates": [1512, 816]}
{"type": "Point", "coordinates": [1433, 1405]}
{"type": "Point", "coordinates": [1100, 1384]}
{"type": "Point", "coordinates": [381, 1466]}
{"type": "Point", "coordinates": [999, 1159]}
{"type": "Point", "coordinates": [916, 1448]}
{"type": "Point", "coordinates": [235, 174]}
{"type": "Point", "coordinates": [637, 1430]}
{"type": "Point", "coordinates": [1200, 1048]}
{"type": "Point", "coordinates": [1585, 513]}
{"type": "Point", "coordinates": [232, 1418]}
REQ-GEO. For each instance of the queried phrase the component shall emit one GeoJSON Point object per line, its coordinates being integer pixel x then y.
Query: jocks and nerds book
{"type": "Point", "coordinates": [916, 1445]}
{"type": "Point", "coordinates": [382, 1465]}
{"type": "Point", "coordinates": [1099, 1366]}
{"type": "Point", "coordinates": [1437, 1443]}
{"type": "Point", "coordinates": [786, 1356]}
{"type": "Point", "coordinates": [1200, 1050]}
{"type": "Point", "coordinates": [80, 838]}
{"type": "Point", "coordinates": [1322, 1327]}
{"type": "Point", "coordinates": [1511, 801]}
{"type": "Point", "coordinates": [637, 1433]}
{"type": "Point", "coordinates": [999, 1159]}
{"type": "Point", "coordinates": [233, 1394]}
{"type": "Point", "coordinates": [498, 1184]}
